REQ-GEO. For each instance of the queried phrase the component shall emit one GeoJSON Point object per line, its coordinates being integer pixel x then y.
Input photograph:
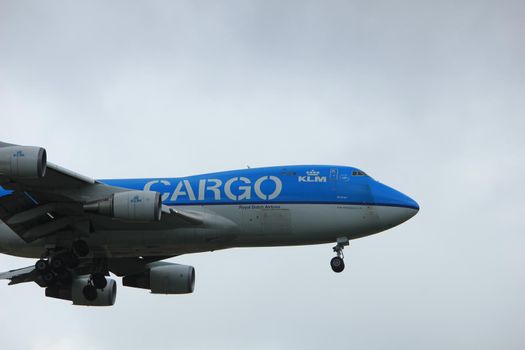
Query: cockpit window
{"type": "Point", "coordinates": [358, 173]}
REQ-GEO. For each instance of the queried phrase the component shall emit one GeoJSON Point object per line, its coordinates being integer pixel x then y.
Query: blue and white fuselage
{"type": "Point", "coordinates": [287, 205]}
{"type": "Point", "coordinates": [282, 205]}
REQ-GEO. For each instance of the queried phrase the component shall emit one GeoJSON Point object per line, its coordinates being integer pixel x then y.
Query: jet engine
{"type": "Point", "coordinates": [23, 162]}
{"type": "Point", "coordinates": [130, 205]}
{"type": "Point", "coordinates": [164, 278]}
{"type": "Point", "coordinates": [75, 292]}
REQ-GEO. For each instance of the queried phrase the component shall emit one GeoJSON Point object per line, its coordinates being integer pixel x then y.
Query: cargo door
{"type": "Point", "coordinates": [276, 222]}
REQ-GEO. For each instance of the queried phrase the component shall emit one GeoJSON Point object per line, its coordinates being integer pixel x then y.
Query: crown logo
{"type": "Point", "coordinates": [312, 173]}
{"type": "Point", "coordinates": [136, 199]}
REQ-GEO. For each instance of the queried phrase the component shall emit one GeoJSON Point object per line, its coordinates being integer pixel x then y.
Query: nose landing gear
{"type": "Point", "coordinates": [337, 263]}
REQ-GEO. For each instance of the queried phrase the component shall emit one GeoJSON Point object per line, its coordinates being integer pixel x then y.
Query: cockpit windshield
{"type": "Point", "coordinates": [358, 173]}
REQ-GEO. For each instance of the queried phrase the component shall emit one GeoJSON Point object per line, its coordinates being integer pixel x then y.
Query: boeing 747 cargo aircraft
{"type": "Point", "coordinates": [80, 230]}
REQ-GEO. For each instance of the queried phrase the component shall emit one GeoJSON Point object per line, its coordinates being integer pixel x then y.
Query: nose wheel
{"type": "Point", "coordinates": [337, 263]}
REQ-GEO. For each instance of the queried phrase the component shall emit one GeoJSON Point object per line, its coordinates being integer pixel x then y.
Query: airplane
{"type": "Point", "coordinates": [82, 230]}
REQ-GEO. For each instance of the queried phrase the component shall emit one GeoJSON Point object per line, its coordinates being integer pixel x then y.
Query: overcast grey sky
{"type": "Point", "coordinates": [426, 96]}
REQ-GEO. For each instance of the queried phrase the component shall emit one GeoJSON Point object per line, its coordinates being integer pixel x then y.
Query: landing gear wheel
{"type": "Point", "coordinates": [81, 248]}
{"type": "Point", "coordinates": [72, 261]}
{"type": "Point", "coordinates": [99, 280]}
{"type": "Point", "coordinates": [337, 264]}
{"type": "Point", "coordinates": [42, 265]}
{"type": "Point", "coordinates": [58, 263]}
{"type": "Point", "coordinates": [90, 292]}
{"type": "Point", "coordinates": [49, 278]}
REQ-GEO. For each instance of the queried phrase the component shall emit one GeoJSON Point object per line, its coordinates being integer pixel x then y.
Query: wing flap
{"type": "Point", "coordinates": [31, 214]}
{"type": "Point", "coordinates": [190, 217]}
{"type": "Point", "coordinates": [48, 228]}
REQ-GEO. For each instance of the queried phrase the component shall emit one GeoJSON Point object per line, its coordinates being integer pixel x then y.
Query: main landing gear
{"type": "Point", "coordinates": [337, 263]}
{"type": "Point", "coordinates": [61, 269]}
{"type": "Point", "coordinates": [97, 281]}
{"type": "Point", "coordinates": [57, 266]}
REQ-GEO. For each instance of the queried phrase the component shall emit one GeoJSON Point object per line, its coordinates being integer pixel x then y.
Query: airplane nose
{"type": "Point", "coordinates": [392, 206]}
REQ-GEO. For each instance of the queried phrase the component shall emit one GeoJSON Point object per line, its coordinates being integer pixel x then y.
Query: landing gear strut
{"type": "Point", "coordinates": [337, 263]}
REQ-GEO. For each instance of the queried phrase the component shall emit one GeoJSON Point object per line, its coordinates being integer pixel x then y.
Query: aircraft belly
{"type": "Point", "coordinates": [254, 225]}
{"type": "Point", "coordinates": [230, 226]}
{"type": "Point", "coordinates": [261, 225]}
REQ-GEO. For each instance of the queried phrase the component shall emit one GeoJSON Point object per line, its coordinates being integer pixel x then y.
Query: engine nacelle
{"type": "Point", "coordinates": [130, 205]}
{"type": "Point", "coordinates": [74, 292]}
{"type": "Point", "coordinates": [164, 278]}
{"type": "Point", "coordinates": [23, 162]}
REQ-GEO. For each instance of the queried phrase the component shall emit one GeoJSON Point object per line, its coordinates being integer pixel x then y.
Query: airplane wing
{"type": "Point", "coordinates": [26, 274]}
{"type": "Point", "coordinates": [46, 199]}
{"type": "Point", "coordinates": [54, 175]}
{"type": "Point", "coordinates": [43, 201]}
